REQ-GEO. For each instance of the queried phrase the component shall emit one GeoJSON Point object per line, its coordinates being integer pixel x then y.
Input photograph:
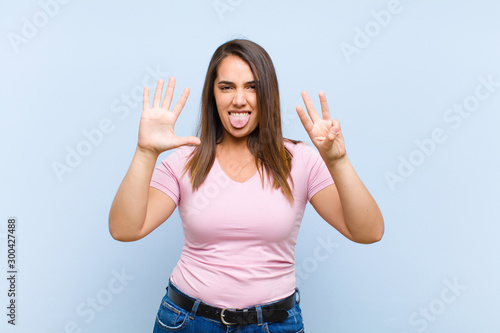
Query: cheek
{"type": "Point", "coordinates": [254, 103]}
{"type": "Point", "coordinates": [222, 103]}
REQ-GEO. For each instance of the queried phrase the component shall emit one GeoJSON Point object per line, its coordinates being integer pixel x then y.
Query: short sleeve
{"type": "Point", "coordinates": [166, 176]}
{"type": "Point", "coordinates": [318, 175]}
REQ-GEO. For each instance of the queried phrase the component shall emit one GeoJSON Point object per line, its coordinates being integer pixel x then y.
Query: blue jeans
{"type": "Point", "coordinates": [172, 318]}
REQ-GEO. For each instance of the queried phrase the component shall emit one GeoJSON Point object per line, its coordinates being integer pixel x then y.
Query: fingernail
{"type": "Point", "coordinates": [334, 130]}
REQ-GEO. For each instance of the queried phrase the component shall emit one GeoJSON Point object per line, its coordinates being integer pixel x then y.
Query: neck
{"type": "Point", "coordinates": [234, 144]}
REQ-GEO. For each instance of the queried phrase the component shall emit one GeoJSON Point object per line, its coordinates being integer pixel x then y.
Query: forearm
{"type": "Point", "coordinates": [361, 213]}
{"type": "Point", "coordinates": [129, 207]}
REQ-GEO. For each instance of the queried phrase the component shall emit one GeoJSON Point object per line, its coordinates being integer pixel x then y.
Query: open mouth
{"type": "Point", "coordinates": [239, 119]}
{"type": "Point", "coordinates": [239, 114]}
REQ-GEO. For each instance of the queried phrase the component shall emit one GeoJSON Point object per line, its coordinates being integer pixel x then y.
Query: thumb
{"type": "Point", "coordinates": [332, 134]}
{"type": "Point", "coordinates": [334, 130]}
{"type": "Point", "coordinates": [189, 140]}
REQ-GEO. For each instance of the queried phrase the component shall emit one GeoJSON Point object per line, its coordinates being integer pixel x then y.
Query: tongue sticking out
{"type": "Point", "coordinates": [239, 120]}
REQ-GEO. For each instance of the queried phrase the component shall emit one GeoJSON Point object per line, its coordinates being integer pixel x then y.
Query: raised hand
{"type": "Point", "coordinates": [324, 133]}
{"type": "Point", "coordinates": [156, 130]}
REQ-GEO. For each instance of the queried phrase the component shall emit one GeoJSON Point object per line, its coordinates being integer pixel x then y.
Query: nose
{"type": "Point", "coordinates": [239, 99]}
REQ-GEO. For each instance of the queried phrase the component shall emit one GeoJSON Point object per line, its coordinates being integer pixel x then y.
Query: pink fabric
{"type": "Point", "coordinates": [239, 237]}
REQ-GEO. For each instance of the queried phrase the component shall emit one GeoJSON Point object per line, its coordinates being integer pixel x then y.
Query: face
{"type": "Point", "coordinates": [236, 98]}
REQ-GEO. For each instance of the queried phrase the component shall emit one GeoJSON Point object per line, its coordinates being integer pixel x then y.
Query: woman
{"type": "Point", "coordinates": [241, 189]}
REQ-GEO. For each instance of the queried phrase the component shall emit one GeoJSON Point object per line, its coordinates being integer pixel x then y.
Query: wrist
{"type": "Point", "coordinates": [339, 163]}
{"type": "Point", "coordinates": [146, 153]}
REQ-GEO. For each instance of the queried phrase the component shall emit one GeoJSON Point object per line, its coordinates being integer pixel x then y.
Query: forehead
{"type": "Point", "coordinates": [233, 68]}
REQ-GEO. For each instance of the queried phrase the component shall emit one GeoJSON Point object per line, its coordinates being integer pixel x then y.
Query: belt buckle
{"type": "Point", "coordinates": [224, 320]}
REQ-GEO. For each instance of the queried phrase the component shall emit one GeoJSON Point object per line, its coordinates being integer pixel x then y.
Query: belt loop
{"type": "Point", "coordinates": [259, 315]}
{"type": "Point", "coordinates": [194, 309]}
{"type": "Point", "coordinates": [297, 295]}
{"type": "Point", "coordinates": [245, 316]}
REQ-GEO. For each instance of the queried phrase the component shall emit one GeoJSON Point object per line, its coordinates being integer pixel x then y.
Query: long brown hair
{"type": "Point", "coordinates": [266, 141]}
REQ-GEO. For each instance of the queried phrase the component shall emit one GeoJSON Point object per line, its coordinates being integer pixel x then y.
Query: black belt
{"type": "Point", "coordinates": [270, 313]}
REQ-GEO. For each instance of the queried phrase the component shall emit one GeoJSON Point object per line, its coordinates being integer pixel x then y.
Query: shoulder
{"type": "Point", "coordinates": [185, 150]}
{"type": "Point", "coordinates": [180, 153]}
{"type": "Point", "coordinates": [177, 159]}
{"type": "Point", "coordinates": [305, 157]}
{"type": "Point", "coordinates": [293, 145]}
{"type": "Point", "coordinates": [299, 149]}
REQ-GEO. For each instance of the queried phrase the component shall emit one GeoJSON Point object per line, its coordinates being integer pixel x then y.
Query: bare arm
{"type": "Point", "coordinates": [347, 205]}
{"type": "Point", "coordinates": [138, 209]}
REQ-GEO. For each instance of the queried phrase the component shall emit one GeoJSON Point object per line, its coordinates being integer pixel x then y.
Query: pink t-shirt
{"type": "Point", "coordinates": [239, 238]}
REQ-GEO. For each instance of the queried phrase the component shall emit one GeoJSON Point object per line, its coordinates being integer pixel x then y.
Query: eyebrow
{"type": "Point", "coordinates": [229, 82]}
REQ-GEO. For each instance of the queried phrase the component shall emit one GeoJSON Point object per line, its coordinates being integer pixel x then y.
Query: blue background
{"type": "Point", "coordinates": [394, 72]}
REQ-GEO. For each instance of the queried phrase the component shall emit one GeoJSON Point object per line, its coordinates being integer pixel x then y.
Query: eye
{"type": "Point", "coordinates": [252, 87]}
{"type": "Point", "coordinates": [224, 87]}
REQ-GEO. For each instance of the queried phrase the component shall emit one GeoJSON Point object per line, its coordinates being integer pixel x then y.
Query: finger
{"type": "Point", "coordinates": [145, 98]}
{"type": "Point", "coordinates": [335, 127]}
{"type": "Point", "coordinates": [157, 97]}
{"type": "Point", "coordinates": [310, 107]}
{"type": "Point", "coordinates": [169, 93]}
{"type": "Point", "coordinates": [189, 140]}
{"type": "Point", "coordinates": [308, 125]}
{"type": "Point", "coordinates": [324, 106]}
{"type": "Point", "coordinates": [180, 104]}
